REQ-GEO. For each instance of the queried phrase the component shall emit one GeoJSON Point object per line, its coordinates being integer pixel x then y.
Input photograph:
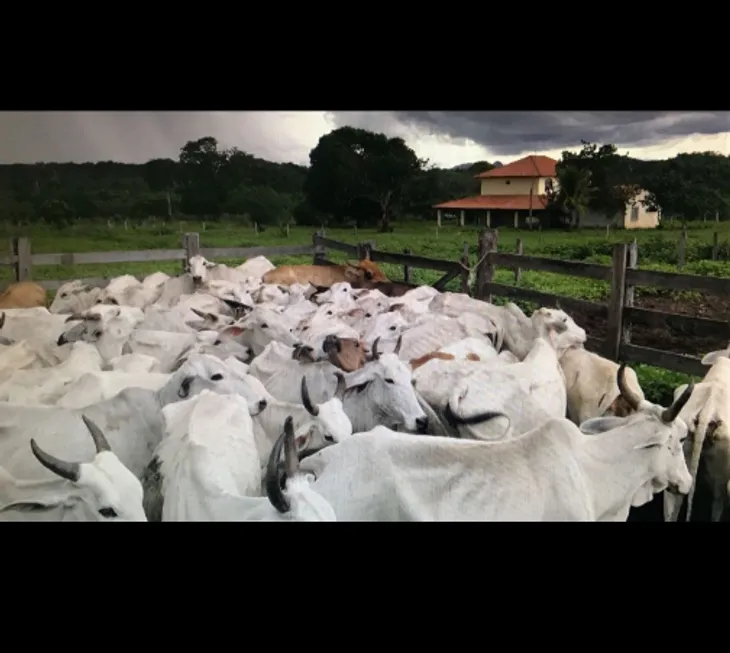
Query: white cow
{"type": "Point", "coordinates": [556, 472]}
{"type": "Point", "coordinates": [132, 420]}
{"type": "Point", "coordinates": [707, 414]}
{"type": "Point", "coordinates": [74, 297]}
{"type": "Point", "coordinates": [205, 473]}
{"type": "Point", "coordinates": [381, 392]}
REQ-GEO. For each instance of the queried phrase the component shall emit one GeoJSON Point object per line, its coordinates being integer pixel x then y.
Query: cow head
{"type": "Point", "coordinates": [330, 424]}
{"type": "Point", "coordinates": [364, 269]}
{"type": "Point", "coordinates": [389, 385]}
{"type": "Point", "coordinates": [198, 267]}
{"type": "Point", "coordinates": [346, 353]}
{"type": "Point", "coordinates": [117, 492]}
{"type": "Point", "coordinates": [287, 489]}
{"type": "Point", "coordinates": [205, 372]}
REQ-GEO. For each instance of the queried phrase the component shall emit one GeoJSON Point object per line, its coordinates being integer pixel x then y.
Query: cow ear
{"type": "Point", "coordinates": [713, 356]}
{"type": "Point", "coordinates": [184, 389]}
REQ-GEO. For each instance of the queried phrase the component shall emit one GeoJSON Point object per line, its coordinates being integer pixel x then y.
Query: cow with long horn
{"type": "Point", "coordinates": [289, 491]}
{"type": "Point", "coordinates": [105, 486]}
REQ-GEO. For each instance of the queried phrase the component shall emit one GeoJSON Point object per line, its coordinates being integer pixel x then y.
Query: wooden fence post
{"type": "Point", "coordinates": [407, 268]}
{"type": "Point", "coordinates": [681, 249]}
{"type": "Point", "coordinates": [24, 264]}
{"type": "Point", "coordinates": [520, 252]}
{"type": "Point", "coordinates": [614, 324]}
{"type": "Point", "coordinates": [320, 252]}
{"type": "Point", "coordinates": [632, 262]}
{"type": "Point", "coordinates": [488, 242]}
{"type": "Point", "coordinates": [715, 245]}
{"type": "Point", "coordinates": [191, 245]}
{"type": "Point", "coordinates": [465, 270]}
{"type": "Point", "coordinates": [364, 249]}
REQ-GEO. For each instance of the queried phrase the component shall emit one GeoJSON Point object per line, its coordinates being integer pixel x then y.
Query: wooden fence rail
{"type": "Point", "coordinates": [618, 311]}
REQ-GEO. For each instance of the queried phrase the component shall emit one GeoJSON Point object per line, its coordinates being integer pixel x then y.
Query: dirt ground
{"type": "Point", "coordinates": [669, 339]}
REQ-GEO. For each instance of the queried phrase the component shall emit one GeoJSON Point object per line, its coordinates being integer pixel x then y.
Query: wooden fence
{"type": "Point", "coordinates": [618, 312]}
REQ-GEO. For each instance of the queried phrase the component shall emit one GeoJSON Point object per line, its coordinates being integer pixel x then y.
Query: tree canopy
{"type": "Point", "coordinates": [355, 176]}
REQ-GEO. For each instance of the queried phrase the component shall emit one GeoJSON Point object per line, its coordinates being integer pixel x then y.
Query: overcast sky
{"type": "Point", "coordinates": [446, 138]}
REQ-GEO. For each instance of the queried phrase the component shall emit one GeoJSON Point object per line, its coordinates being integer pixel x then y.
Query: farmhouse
{"type": "Point", "coordinates": [516, 195]}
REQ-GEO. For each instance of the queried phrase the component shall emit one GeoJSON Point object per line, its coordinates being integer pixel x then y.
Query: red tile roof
{"type": "Point", "coordinates": [531, 166]}
{"type": "Point", "coordinates": [510, 202]}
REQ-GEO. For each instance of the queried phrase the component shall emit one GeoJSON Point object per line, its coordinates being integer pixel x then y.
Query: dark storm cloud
{"type": "Point", "coordinates": [514, 132]}
{"type": "Point", "coordinates": [27, 137]}
{"type": "Point", "coordinates": [137, 136]}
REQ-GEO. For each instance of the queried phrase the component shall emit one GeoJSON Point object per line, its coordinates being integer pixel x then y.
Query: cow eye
{"type": "Point", "coordinates": [114, 301]}
{"type": "Point", "coordinates": [392, 328]}
{"type": "Point", "coordinates": [329, 438]}
{"type": "Point", "coordinates": [216, 377]}
{"type": "Point", "coordinates": [107, 512]}
{"type": "Point", "coordinates": [64, 294]}
{"type": "Point", "coordinates": [329, 312]}
{"type": "Point", "coordinates": [390, 381]}
{"type": "Point", "coordinates": [217, 342]}
{"type": "Point", "coordinates": [98, 301]}
{"type": "Point", "coordinates": [264, 326]}
{"type": "Point", "coordinates": [368, 315]}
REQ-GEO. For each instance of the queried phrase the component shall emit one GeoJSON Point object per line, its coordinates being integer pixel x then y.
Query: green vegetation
{"type": "Point", "coordinates": [360, 185]}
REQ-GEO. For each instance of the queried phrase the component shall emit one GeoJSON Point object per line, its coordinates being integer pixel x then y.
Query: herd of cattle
{"type": "Point", "coordinates": [322, 393]}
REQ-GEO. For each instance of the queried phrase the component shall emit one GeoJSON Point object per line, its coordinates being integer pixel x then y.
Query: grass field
{"type": "Point", "coordinates": [657, 251]}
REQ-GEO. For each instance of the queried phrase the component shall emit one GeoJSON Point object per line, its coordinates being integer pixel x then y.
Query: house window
{"type": "Point", "coordinates": [635, 213]}
{"type": "Point", "coordinates": [548, 185]}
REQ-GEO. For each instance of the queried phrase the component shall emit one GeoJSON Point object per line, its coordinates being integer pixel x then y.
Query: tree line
{"type": "Point", "coordinates": [355, 177]}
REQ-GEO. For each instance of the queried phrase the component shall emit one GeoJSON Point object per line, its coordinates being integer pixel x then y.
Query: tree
{"type": "Point", "coordinates": [160, 175]}
{"type": "Point", "coordinates": [263, 204]}
{"type": "Point", "coordinates": [574, 193]}
{"type": "Point", "coordinates": [203, 177]}
{"type": "Point", "coordinates": [361, 174]}
{"type": "Point", "coordinates": [610, 175]}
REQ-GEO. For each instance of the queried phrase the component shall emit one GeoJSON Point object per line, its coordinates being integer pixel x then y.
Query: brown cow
{"type": "Point", "coordinates": [324, 275]}
{"type": "Point", "coordinates": [388, 288]}
{"type": "Point", "coordinates": [24, 294]}
{"type": "Point", "coordinates": [346, 353]}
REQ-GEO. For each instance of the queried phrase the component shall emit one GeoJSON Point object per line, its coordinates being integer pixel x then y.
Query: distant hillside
{"type": "Point", "coordinates": [466, 166]}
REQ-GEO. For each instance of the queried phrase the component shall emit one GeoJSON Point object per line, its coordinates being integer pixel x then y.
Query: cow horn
{"type": "Point", "coordinates": [455, 420]}
{"type": "Point", "coordinates": [306, 400]}
{"type": "Point", "coordinates": [341, 386]}
{"type": "Point", "coordinates": [631, 398]}
{"type": "Point", "coordinates": [100, 442]}
{"type": "Point", "coordinates": [670, 414]}
{"type": "Point", "coordinates": [275, 476]}
{"type": "Point", "coordinates": [69, 471]}
{"type": "Point", "coordinates": [375, 354]}
{"type": "Point", "coordinates": [398, 344]}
